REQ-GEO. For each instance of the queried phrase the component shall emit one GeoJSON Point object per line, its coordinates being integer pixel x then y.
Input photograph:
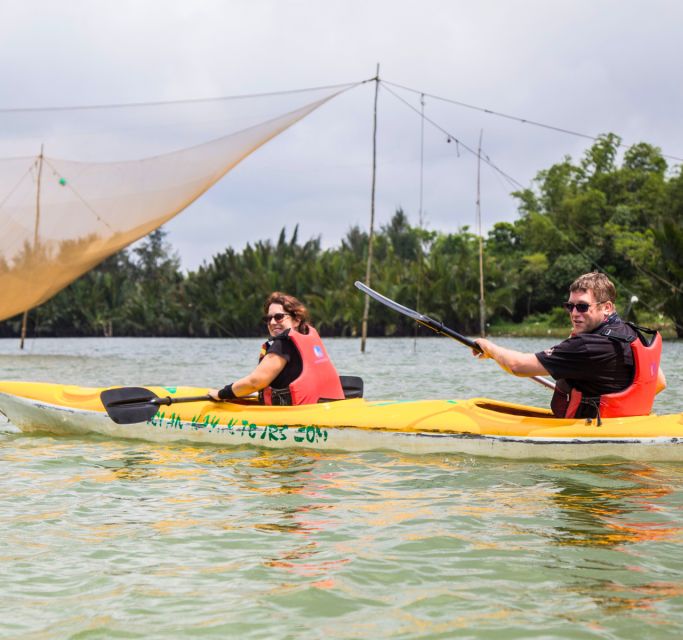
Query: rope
{"type": "Point", "coordinates": [511, 117]}
{"type": "Point", "coordinates": [128, 105]}
{"type": "Point", "coordinates": [77, 194]}
{"type": "Point", "coordinates": [459, 143]}
{"type": "Point", "coordinates": [16, 186]}
{"type": "Point", "coordinates": [514, 182]}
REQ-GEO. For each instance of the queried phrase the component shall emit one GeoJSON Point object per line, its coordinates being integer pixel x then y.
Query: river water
{"type": "Point", "coordinates": [123, 539]}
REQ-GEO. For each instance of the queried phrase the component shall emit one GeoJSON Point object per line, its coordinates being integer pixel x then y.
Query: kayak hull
{"type": "Point", "coordinates": [478, 427]}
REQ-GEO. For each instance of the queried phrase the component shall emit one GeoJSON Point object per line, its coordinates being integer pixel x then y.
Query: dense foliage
{"type": "Point", "coordinates": [625, 219]}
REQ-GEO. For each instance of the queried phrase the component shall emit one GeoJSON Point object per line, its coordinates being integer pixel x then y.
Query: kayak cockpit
{"type": "Point", "coordinates": [512, 409]}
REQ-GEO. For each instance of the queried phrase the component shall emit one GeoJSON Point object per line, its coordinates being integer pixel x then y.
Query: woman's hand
{"type": "Point", "coordinates": [214, 395]}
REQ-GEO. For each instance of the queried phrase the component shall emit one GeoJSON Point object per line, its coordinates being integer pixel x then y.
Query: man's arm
{"type": "Point", "coordinates": [515, 362]}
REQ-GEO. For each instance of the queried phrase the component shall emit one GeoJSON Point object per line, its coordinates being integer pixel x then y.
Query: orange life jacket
{"type": "Point", "coordinates": [637, 399]}
{"type": "Point", "coordinates": [318, 380]}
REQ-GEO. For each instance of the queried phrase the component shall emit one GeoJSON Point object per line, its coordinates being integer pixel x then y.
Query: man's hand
{"type": "Point", "coordinates": [486, 347]}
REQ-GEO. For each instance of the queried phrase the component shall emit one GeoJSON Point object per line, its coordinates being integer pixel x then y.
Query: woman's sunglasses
{"type": "Point", "coordinates": [278, 317]}
{"type": "Point", "coordinates": [581, 307]}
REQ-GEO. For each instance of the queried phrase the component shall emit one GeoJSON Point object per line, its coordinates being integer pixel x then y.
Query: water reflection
{"type": "Point", "coordinates": [614, 597]}
{"type": "Point", "coordinates": [128, 467]}
{"type": "Point", "coordinates": [610, 504]}
{"type": "Point", "coordinates": [608, 518]}
{"type": "Point", "coordinates": [292, 492]}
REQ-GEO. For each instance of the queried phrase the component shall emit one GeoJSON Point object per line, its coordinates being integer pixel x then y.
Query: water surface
{"type": "Point", "coordinates": [105, 539]}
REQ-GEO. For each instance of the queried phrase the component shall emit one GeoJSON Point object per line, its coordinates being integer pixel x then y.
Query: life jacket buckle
{"type": "Point", "coordinates": [593, 403]}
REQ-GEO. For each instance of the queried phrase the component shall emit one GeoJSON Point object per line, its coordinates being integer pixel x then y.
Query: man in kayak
{"type": "Point", "coordinates": [293, 367]}
{"type": "Point", "coordinates": [606, 367]}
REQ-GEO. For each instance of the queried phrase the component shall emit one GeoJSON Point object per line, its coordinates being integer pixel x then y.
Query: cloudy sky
{"type": "Point", "coordinates": [590, 66]}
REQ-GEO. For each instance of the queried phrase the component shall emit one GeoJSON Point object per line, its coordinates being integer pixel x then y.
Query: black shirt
{"type": "Point", "coordinates": [282, 346]}
{"type": "Point", "coordinates": [593, 363]}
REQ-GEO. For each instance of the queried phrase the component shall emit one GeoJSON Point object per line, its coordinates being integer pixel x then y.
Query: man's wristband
{"type": "Point", "coordinates": [226, 393]}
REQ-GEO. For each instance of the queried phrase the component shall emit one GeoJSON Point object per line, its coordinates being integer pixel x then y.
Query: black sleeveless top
{"type": "Point", "coordinates": [282, 346]}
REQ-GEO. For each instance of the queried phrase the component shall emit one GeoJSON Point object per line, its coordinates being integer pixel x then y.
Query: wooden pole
{"type": "Point", "coordinates": [24, 319]}
{"type": "Point", "coordinates": [420, 213]}
{"type": "Point", "coordinates": [482, 306]}
{"type": "Point", "coordinates": [371, 235]}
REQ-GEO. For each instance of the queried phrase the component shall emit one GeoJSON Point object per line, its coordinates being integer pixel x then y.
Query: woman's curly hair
{"type": "Point", "coordinates": [292, 306]}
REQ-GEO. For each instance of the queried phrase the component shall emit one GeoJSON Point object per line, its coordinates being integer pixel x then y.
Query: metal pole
{"type": "Point", "coordinates": [24, 319]}
{"type": "Point", "coordinates": [371, 235]}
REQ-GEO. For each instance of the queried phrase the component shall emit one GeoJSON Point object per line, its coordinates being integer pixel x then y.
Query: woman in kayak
{"type": "Point", "coordinates": [293, 367]}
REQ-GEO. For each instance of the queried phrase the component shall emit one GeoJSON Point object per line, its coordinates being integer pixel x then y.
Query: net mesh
{"type": "Point", "coordinates": [60, 218]}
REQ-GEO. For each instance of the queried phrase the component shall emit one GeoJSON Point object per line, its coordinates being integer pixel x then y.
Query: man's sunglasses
{"type": "Point", "coordinates": [278, 317]}
{"type": "Point", "coordinates": [581, 307]}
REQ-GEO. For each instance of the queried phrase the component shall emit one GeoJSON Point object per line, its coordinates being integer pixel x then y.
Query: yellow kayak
{"type": "Point", "coordinates": [478, 426]}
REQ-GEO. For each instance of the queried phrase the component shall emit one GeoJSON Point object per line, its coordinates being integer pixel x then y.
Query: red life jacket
{"type": "Point", "coordinates": [637, 399]}
{"type": "Point", "coordinates": [318, 380]}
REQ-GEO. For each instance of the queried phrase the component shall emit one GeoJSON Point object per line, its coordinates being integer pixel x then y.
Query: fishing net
{"type": "Point", "coordinates": [60, 218]}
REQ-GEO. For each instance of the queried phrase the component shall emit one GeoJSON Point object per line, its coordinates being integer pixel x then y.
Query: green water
{"type": "Point", "coordinates": [123, 539]}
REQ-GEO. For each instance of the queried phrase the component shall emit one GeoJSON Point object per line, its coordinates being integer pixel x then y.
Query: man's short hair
{"type": "Point", "coordinates": [598, 283]}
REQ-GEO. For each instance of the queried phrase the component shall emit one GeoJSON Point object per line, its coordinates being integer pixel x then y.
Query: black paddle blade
{"type": "Point", "coordinates": [128, 405]}
{"type": "Point", "coordinates": [388, 302]}
{"type": "Point", "coordinates": [426, 321]}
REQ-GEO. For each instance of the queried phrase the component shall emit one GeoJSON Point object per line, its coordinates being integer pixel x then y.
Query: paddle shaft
{"type": "Point", "coordinates": [157, 401]}
{"type": "Point", "coordinates": [450, 333]}
{"type": "Point", "coordinates": [129, 405]}
{"type": "Point", "coordinates": [434, 325]}
{"type": "Point", "coordinates": [169, 400]}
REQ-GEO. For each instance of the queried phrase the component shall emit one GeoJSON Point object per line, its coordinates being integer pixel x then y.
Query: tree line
{"type": "Point", "coordinates": [622, 216]}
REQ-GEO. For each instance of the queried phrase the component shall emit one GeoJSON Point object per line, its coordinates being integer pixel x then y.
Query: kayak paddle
{"type": "Point", "coordinates": [434, 325]}
{"type": "Point", "coordinates": [128, 405]}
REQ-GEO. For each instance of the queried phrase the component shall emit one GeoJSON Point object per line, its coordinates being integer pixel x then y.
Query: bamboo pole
{"type": "Point", "coordinates": [24, 319]}
{"type": "Point", "coordinates": [371, 235]}
{"type": "Point", "coordinates": [482, 305]}
{"type": "Point", "coordinates": [420, 213]}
